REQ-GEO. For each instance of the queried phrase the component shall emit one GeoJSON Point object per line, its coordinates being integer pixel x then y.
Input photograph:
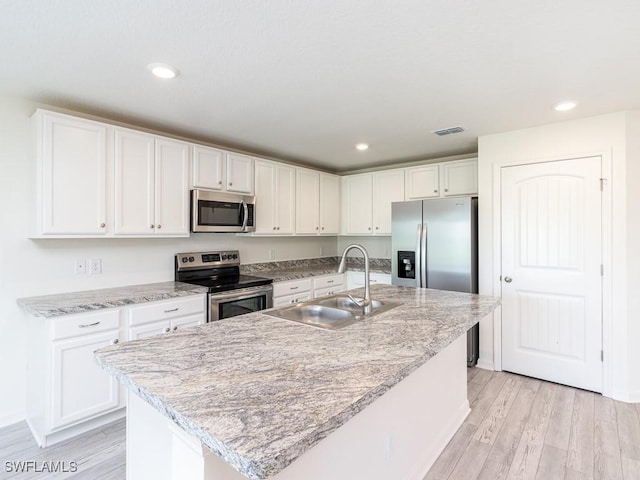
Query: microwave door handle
{"type": "Point", "coordinates": [245, 209]}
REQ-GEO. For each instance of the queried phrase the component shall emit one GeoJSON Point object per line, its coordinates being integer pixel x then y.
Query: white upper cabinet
{"type": "Point", "coordinates": [151, 185]}
{"type": "Point", "coordinates": [422, 182]}
{"type": "Point", "coordinates": [208, 168]}
{"type": "Point", "coordinates": [442, 180]}
{"type": "Point", "coordinates": [388, 187]}
{"type": "Point", "coordinates": [460, 178]}
{"type": "Point", "coordinates": [317, 202]}
{"type": "Point", "coordinates": [71, 175]}
{"type": "Point", "coordinates": [275, 198]}
{"type": "Point", "coordinates": [215, 169]}
{"type": "Point", "coordinates": [307, 201]}
{"type": "Point", "coordinates": [239, 173]}
{"type": "Point", "coordinates": [368, 197]}
{"type": "Point", "coordinates": [329, 204]}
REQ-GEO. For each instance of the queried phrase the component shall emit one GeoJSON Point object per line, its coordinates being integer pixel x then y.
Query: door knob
{"type": "Point", "coordinates": [507, 279]}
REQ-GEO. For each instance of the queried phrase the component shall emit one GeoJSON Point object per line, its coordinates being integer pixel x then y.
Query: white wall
{"type": "Point", "coordinates": [605, 135]}
{"type": "Point", "coordinates": [37, 267]}
{"type": "Point", "coordinates": [377, 247]}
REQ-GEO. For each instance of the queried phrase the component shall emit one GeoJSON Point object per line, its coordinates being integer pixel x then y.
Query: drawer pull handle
{"type": "Point", "coordinates": [167, 330]}
{"type": "Point", "coordinates": [114, 341]}
{"type": "Point", "coordinates": [85, 325]}
{"type": "Point", "coordinates": [175, 328]}
{"type": "Point", "coordinates": [330, 281]}
{"type": "Point", "coordinates": [172, 310]}
{"type": "Point", "coordinates": [293, 288]}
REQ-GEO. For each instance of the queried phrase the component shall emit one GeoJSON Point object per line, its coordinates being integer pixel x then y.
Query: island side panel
{"type": "Point", "coordinates": [399, 436]}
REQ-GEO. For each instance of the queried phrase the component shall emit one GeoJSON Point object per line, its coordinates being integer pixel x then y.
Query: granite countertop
{"type": "Point", "coordinates": [284, 386]}
{"type": "Point", "coordinates": [77, 302]}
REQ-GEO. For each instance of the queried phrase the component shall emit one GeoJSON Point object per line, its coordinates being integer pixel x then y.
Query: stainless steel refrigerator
{"type": "Point", "coordinates": [435, 245]}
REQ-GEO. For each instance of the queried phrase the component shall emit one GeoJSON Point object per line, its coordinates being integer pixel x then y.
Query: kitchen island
{"type": "Point", "coordinates": [277, 399]}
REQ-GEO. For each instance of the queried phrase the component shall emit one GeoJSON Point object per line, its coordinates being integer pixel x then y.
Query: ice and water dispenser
{"type": "Point", "coordinates": [406, 264]}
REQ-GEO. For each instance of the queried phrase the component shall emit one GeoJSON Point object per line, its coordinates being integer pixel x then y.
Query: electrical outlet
{"type": "Point", "coordinates": [95, 266]}
{"type": "Point", "coordinates": [272, 254]}
{"type": "Point", "coordinates": [80, 267]}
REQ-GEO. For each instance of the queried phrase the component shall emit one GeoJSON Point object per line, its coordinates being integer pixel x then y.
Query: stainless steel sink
{"type": "Point", "coordinates": [337, 311]}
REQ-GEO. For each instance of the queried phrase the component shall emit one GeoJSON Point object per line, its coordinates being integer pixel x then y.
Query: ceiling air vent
{"type": "Point", "coordinates": [448, 131]}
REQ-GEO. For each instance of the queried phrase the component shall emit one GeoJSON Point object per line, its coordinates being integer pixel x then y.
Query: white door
{"type": "Point", "coordinates": [388, 187]}
{"type": "Point", "coordinates": [329, 202]}
{"type": "Point", "coordinates": [551, 271]}
{"type": "Point", "coordinates": [307, 201]}
{"type": "Point", "coordinates": [358, 204]}
{"type": "Point", "coordinates": [239, 173]}
{"type": "Point", "coordinates": [172, 187]}
{"type": "Point", "coordinates": [285, 199]}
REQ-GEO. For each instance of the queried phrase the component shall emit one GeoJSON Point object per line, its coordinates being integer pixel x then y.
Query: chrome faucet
{"type": "Point", "coordinates": [366, 303]}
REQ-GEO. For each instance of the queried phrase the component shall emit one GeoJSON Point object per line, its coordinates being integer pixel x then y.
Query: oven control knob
{"type": "Point", "coordinates": [184, 259]}
{"type": "Point", "coordinates": [191, 259]}
{"type": "Point", "coordinates": [224, 257]}
{"type": "Point", "coordinates": [235, 255]}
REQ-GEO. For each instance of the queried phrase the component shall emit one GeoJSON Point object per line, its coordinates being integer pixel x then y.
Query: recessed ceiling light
{"type": "Point", "coordinates": [162, 70]}
{"type": "Point", "coordinates": [362, 146]}
{"type": "Point", "coordinates": [565, 106]}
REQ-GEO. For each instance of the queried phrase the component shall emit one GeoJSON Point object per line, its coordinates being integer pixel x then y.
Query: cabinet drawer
{"type": "Point", "coordinates": [85, 324]}
{"type": "Point", "coordinates": [166, 309]}
{"type": "Point", "coordinates": [292, 287]}
{"type": "Point", "coordinates": [324, 292]}
{"type": "Point", "coordinates": [291, 299]}
{"type": "Point", "coordinates": [328, 281]}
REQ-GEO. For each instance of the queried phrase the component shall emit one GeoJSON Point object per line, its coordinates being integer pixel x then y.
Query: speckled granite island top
{"type": "Point", "coordinates": [259, 391]}
{"type": "Point", "coordinates": [77, 302]}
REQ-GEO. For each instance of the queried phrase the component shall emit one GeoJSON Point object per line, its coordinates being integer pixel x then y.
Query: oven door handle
{"type": "Point", "coordinates": [241, 294]}
{"type": "Point", "coordinates": [246, 216]}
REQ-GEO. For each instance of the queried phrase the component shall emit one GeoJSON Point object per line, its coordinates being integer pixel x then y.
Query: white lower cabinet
{"type": "Point", "coordinates": [67, 390]}
{"type": "Point", "coordinates": [68, 393]}
{"type": "Point", "coordinates": [356, 279]}
{"type": "Point", "coordinates": [296, 291]}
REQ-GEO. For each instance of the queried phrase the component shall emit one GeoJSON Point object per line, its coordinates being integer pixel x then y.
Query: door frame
{"type": "Point", "coordinates": [607, 259]}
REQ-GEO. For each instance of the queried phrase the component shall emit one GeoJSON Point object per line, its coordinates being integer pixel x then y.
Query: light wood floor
{"type": "Point", "coordinates": [518, 428]}
{"type": "Point", "coordinates": [522, 428]}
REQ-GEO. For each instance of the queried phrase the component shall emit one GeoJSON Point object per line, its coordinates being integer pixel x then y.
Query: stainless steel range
{"type": "Point", "coordinates": [230, 293]}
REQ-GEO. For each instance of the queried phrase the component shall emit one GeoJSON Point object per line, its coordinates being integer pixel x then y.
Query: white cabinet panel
{"type": "Point", "coordinates": [72, 166]}
{"type": "Point", "coordinates": [207, 168]}
{"type": "Point", "coordinates": [422, 182]}
{"type": "Point", "coordinates": [358, 204]}
{"type": "Point", "coordinates": [172, 187]}
{"type": "Point", "coordinates": [329, 202]}
{"type": "Point", "coordinates": [81, 389]}
{"type": "Point", "coordinates": [134, 182]}
{"type": "Point", "coordinates": [388, 187]}
{"type": "Point", "coordinates": [239, 173]}
{"type": "Point", "coordinates": [307, 201]}
{"type": "Point", "coordinates": [460, 178]}
{"type": "Point", "coordinates": [275, 198]}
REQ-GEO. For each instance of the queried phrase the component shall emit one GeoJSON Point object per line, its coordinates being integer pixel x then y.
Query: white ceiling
{"type": "Point", "coordinates": [306, 80]}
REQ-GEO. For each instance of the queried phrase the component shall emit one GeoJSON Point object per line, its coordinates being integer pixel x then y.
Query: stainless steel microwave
{"type": "Point", "coordinates": [222, 212]}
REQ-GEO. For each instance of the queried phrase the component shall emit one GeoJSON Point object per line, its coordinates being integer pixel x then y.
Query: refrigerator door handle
{"type": "Point", "coordinates": [423, 257]}
{"type": "Point", "coordinates": [418, 259]}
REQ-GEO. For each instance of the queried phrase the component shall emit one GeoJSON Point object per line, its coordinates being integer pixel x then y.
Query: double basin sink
{"type": "Point", "coordinates": [334, 312]}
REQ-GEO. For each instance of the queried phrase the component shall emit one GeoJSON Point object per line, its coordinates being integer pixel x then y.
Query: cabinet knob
{"type": "Point", "coordinates": [435, 191]}
{"type": "Point", "coordinates": [102, 225]}
{"type": "Point", "coordinates": [230, 184]}
{"type": "Point", "coordinates": [322, 228]}
{"type": "Point", "coordinates": [151, 226]}
{"type": "Point", "coordinates": [274, 228]}
{"type": "Point", "coordinates": [293, 300]}
{"type": "Point", "coordinates": [175, 328]}
{"type": "Point", "coordinates": [278, 228]}
{"type": "Point", "coordinates": [114, 341]}
{"type": "Point", "coordinates": [317, 228]}
{"type": "Point", "coordinates": [508, 279]}
{"type": "Point", "coordinates": [158, 226]}
{"type": "Point", "coordinates": [167, 329]}
{"type": "Point", "coordinates": [377, 228]}
{"type": "Point", "coordinates": [369, 228]}
{"type": "Point", "coordinates": [446, 189]}
{"type": "Point", "coordinates": [219, 182]}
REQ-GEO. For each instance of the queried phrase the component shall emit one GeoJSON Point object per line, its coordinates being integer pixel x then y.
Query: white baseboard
{"type": "Point", "coordinates": [485, 364]}
{"type": "Point", "coordinates": [11, 418]}
{"type": "Point", "coordinates": [624, 396]}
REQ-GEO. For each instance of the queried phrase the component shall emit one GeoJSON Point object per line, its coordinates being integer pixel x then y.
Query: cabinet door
{"type": "Point", "coordinates": [285, 199]}
{"type": "Point", "coordinates": [460, 178]}
{"type": "Point", "coordinates": [422, 182]}
{"type": "Point", "coordinates": [307, 201]}
{"type": "Point", "coordinates": [134, 183]}
{"type": "Point", "coordinates": [358, 204]}
{"type": "Point", "coordinates": [81, 389]}
{"type": "Point", "coordinates": [388, 187]}
{"type": "Point", "coordinates": [207, 167]}
{"type": "Point", "coordinates": [329, 204]}
{"type": "Point", "coordinates": [265, 214]}
{"type": "Point", "coordinates": [239, 173]}
{"type": "Point", "coordinates": [74, 164]}
{"type": "Point", "coordinates": [149, 329]}
{"type": "Point", "coordinates": [172, 188]}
